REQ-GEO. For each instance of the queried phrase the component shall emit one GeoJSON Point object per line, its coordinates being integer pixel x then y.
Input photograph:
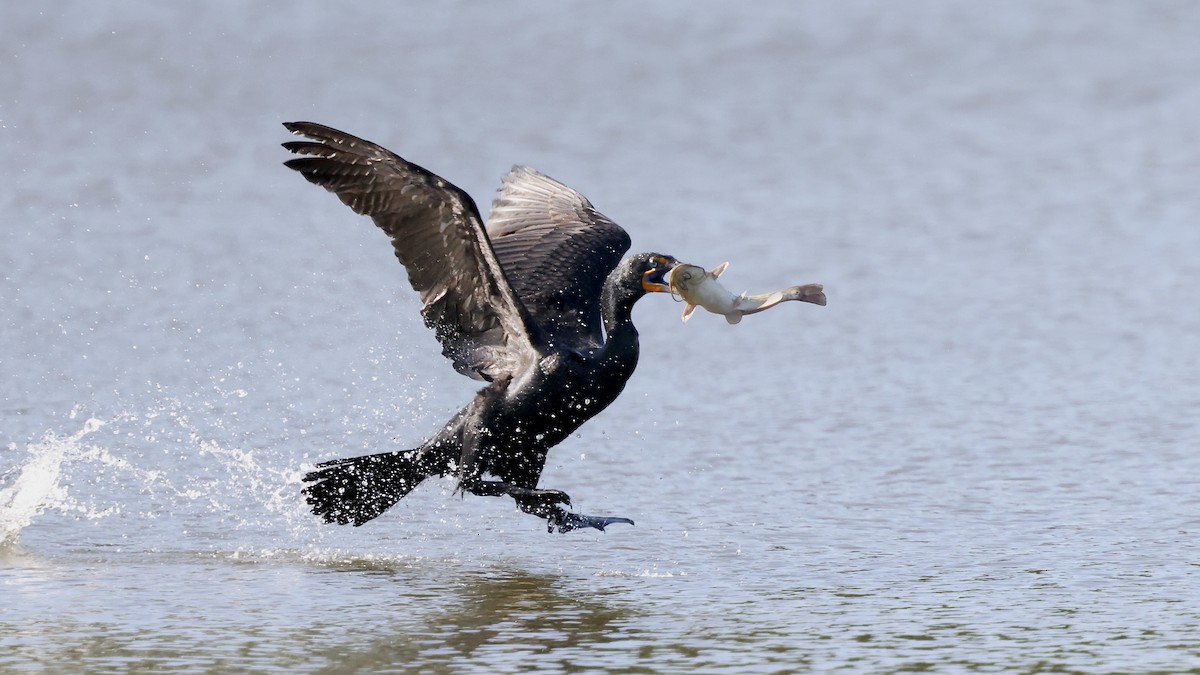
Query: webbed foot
{"type": "Point", "coordinates": [566, 521]}
{"type": "Point", "coordinates": [559, 518]}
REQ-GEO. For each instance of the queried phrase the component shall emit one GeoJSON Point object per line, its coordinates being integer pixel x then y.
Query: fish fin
{"type": "Point", "coordinates": [687, 312]}
{"type": "Point", "coordinates": [716, 271]}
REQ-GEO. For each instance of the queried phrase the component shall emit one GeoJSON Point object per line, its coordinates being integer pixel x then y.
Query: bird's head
{"type": "Point", "coordinates": [638, 275]}
{"type": "Point", "coordinates": [652, 271]}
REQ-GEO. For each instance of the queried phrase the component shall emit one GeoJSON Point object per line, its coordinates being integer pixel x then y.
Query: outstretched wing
{"type": "Point", "coordinates": [439, 238]}
{"type": "Point", "coordinates": [557, 251]}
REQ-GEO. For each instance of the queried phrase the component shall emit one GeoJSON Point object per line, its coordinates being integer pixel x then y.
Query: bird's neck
{"type": "Point", "coordinates": [616, 309]}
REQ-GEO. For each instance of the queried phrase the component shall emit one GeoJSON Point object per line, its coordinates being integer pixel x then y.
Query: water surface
{"type": "Point", "coordinates": [980, 456]}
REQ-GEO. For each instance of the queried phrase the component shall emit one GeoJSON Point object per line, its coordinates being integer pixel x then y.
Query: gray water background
{"type": "Point", "coordinates": [980, 456]}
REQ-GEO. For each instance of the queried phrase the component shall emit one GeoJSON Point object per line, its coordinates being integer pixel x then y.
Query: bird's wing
{"type": "Point", "coordinates": [557, 251]}
{"type": "Point", "coordinates": [439, 238]}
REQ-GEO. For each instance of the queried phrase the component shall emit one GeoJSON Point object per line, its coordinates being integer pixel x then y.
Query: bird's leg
{"type": "Point", "coordinates": [499, 488]}
{"type": "Point", "coordinates": [562, 519]}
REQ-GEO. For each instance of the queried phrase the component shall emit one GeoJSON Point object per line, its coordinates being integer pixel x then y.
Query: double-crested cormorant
{"type": "Point", "coordinates": [537, 304]}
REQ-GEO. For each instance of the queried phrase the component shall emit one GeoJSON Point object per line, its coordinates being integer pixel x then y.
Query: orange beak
{"type": "Point", "coordinates": [655, 280]}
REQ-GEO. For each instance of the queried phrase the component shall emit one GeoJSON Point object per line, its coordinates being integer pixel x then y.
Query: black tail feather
{"type": "Point", "coordinates": [358, 489]}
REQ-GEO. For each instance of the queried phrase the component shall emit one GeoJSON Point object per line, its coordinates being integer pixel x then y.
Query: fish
{"type": "Point", "coordinates": [699, 288]}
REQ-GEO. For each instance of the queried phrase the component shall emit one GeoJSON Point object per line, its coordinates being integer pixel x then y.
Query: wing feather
{"type": "Point", "coordinates": [557, 251]}
{"type": "Point", "coordinates": [439, 237]}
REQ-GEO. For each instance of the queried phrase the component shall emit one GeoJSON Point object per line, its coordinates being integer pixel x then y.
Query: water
{"type": "Point", "coordinates": [979, 457]}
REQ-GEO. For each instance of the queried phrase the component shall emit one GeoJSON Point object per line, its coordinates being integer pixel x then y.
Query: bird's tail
{"type": "Point", "coordinates": [357, 489]}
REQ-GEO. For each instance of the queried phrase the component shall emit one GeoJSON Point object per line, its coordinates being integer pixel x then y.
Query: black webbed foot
{"type": "Point", "coordinates": [559, 518]}
{"type": "Point", "coordinates": [566, 521]}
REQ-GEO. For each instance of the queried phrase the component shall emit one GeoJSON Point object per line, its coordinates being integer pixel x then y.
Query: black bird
{"type": "Point", "coordinates": [537, 304]}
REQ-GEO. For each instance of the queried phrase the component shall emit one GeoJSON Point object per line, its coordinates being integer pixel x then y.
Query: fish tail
{"type": "Point", "coordinates": [358, 489]}
{"type": "Point", "coordinates": [814, 293]}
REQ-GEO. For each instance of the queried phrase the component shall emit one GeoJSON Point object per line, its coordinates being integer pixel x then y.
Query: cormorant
{"type": "Point", "coordinates": [537, 304]}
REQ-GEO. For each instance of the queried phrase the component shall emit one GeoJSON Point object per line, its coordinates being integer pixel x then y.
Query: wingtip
{"type": "Point", "coordinates": [325, 134]}
{"type": "Point", "coordinates": [520, 172]}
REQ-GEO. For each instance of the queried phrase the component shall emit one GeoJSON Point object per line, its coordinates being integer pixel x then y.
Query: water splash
{"type": "Point", "coordinates": [210, 471]}
{"type": "Point", "coordinates": [38, 485]}
{"type": "Point", "coordinates": [155, 471]}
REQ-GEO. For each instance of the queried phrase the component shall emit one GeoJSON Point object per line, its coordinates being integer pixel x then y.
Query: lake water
{"type": "Point", "coordinates": [982, 455]}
